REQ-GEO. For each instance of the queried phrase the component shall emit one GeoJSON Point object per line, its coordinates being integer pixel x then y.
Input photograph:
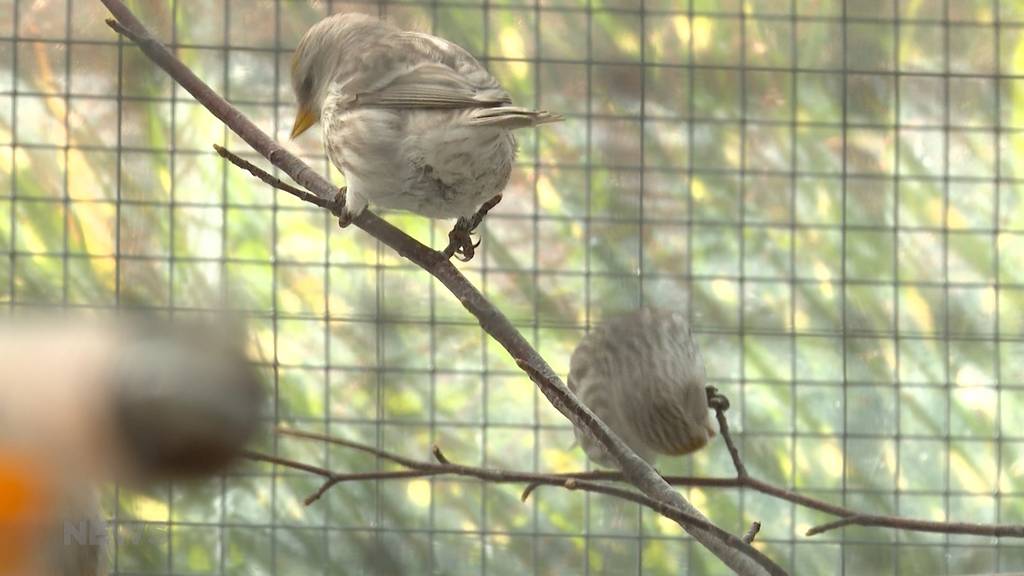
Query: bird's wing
{"type": "Point", "coordinates": [424, 71]}
{"type": "Point", "coordinates": [431, 85]}
{"type": "Point", "coordinates": [511, 117]}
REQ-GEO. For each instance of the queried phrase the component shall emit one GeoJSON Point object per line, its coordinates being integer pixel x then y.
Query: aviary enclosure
{"type": "Point", "coordinates": [829, 190]}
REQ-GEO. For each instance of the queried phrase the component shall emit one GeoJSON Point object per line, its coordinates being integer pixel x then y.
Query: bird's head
{"type": "Point", "coordinates": [317, 60]}
{"type": "Point", "coordinates": [305, 84]}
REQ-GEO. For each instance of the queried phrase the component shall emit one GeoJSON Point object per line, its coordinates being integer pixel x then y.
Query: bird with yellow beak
{"type": "Point", "coordinates": [413, 121]}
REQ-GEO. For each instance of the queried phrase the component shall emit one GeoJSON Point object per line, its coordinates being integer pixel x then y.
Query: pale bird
{"type": "Point", "coordinates": [413, 121]}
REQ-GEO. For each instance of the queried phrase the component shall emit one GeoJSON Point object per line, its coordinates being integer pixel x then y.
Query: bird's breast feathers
{"type": "Point", "coordinates": [426, 161]}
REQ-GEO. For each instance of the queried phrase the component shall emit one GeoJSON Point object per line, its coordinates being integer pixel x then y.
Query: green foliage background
{"type": "Point", "coordinates": [849, 246]}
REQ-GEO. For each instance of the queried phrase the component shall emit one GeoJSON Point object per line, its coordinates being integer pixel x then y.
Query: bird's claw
{"type": "Point", "coordinates": [339, 209]}
{"type": "Point", "coordinates": [716, 401]}
{"type": "Point", "coordinates": [460, 239]}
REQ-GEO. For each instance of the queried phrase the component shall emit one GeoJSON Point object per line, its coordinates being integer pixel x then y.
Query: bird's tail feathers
{"type": "Point", "coordinates": [511, 117]}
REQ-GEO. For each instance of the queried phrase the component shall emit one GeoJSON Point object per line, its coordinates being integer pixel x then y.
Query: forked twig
{"type": "Point", "coordinates": [445, 466]}
{"type": "Point", "coordinates": [533, 481]}
{"type": "Point", "coordinates": [275, 182]}
{"type": "Point", "coordinates": [755, 527]}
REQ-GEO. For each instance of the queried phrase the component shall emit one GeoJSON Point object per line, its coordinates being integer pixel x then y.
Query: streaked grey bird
{"type": "Point", "coordinates": [413, 121]}
{"type": "Point", "coordinates": [643, 375]}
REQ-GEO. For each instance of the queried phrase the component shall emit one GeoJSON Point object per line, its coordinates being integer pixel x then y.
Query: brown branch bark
{"type": "Point", "coordinates": [585, 480]}
{"type": "Point", "coordinates": [755, 527]}
{"type": "Point", "coordinates": [332, 477]}
{"type": "Point", "coordinates": [720, 404]}
{"type": "Point", "coordinates": [332, 205]}
{"type": "Point", "coordinates": [495, 475]}
{"type": "Point", "coordinates": [910, 524]}
{"type": "Point", "coordinates": [743, 559]}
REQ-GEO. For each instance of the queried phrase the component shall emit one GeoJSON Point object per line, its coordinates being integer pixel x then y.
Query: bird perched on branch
{"type": "Point", "coordinates": [413, 121]}
{"type": "Point", "coordinates": [643, 375]}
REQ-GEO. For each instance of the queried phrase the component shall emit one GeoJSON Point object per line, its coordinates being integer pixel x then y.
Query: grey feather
{"type": "Point", "coordinates": [413, 121]}
{"type": "Point", "coordinates": [431, 85]}
{"type": "Point", "coordinates": [511, 117]}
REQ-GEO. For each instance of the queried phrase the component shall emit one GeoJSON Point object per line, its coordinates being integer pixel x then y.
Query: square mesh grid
{"type": "Point", "coordinates": [829, 188]}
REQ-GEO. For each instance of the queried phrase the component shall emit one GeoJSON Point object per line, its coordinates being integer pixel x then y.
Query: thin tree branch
{"type": "Point", "coordinates": [357, 476]}
{"type": "Point", "coordinates": [358, 446]}
{"type": "Point", "coordinates": [270, 459]}
{"type": "Point", "coordinates": [333, 205]}
{"type": "Point", "coordinates": [755, 527]}
{"type": "Point", "coordinates": [438, 455]}
{"type": "Point", "coordinates": [997, 530]}
{"type": "Point", "coordinates": [846, 515]}
{"type": "Point", "coordinates": [332, 477]}
{"type": "Point", "coordinates": [636, 470]}
{"type": "Point", "coordinates": [846, 521]}
{"type": "Point", "coordinates": [528, 490]}
{"type": "Point", "coordinates": [445, 466]}
{"type": "Point", "coordinates": [719, 403]}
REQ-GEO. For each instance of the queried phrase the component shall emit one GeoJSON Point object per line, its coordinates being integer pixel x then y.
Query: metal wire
{"type": "Point", "coordinates": [831, 196]}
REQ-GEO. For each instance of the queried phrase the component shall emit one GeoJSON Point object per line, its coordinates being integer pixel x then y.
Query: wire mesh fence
{"type": "Point", "coordinates": [828, 188]}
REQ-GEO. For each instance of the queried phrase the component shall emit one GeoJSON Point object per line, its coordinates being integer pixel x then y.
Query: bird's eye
{"type": "Point", "coordinates": [307, 85]}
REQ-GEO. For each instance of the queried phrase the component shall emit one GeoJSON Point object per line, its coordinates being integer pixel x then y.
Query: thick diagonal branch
{"type": "Point", "coordinates": [742, 560]}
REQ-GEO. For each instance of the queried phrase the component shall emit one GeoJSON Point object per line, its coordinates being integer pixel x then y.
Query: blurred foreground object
{"type": "Point", "coordinates": [49, 525]}
{"type": "Point", "coordinates": [187, 400]}
{"type": "Point", "coordinates": [90, 401]}
{"type": "Point", "coordinates": [413, 121]}
{"type": "Point", "coordinates": [643, 375]}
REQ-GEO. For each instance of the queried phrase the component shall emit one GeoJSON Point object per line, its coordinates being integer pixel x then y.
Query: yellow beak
{"type": "Point", "coordinates": [303, 121]}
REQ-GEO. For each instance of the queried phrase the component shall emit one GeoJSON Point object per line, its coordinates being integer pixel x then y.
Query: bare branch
{"type": "Point", "coordinates": [357, 476]}
{"type": "Point", "coordinates": [996, 530]}
{"type": "Point", "coordinates": [444, 466]}
{"type": "Point", "coordinates": [258, 457]}
{"type": "Point", "coordinates": [334, 206]}
{"type": "Point", "coordinates": [384, 454]}
{"type": "Point", "coordinates": [332, 477]}
{"type": "Point", "coordinates": [527, 491]}
{"type": "Point", "coordinates": [439, 456]}
{"type": "Point", "coordinates": [846, 516]}
{"type": "Point", "coordinates": [636, 470]}
{"type": "Point", "coordinates": [719, 403]}
{"type": "Point", "coordinates": [846, 521]}
{"type": "Point", "coordinates": [755, 527]}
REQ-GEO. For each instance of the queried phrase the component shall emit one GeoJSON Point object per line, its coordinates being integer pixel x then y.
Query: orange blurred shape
{"type": "Point", "coordinates": [25, 504]}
